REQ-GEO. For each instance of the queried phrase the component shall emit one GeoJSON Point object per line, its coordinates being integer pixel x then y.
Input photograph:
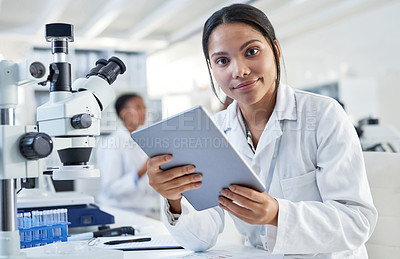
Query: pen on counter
{"type": "Point", "coordinates": [117, 242]}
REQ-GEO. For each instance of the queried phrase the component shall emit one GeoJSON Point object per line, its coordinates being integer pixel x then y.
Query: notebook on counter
{"type": "Point", "coordinates": [156, 242]}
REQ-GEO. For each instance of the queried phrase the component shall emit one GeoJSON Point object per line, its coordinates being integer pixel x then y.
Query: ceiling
{"type": "Point", "coordinates": [153, 25]}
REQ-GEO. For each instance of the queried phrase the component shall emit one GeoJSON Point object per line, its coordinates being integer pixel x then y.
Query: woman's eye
{"type": "Point", "coordinates": [221, 61]}
{"type": "Point", "coordinates": [252, 52]}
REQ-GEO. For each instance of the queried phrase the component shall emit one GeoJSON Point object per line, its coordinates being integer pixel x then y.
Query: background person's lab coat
{"type": "Point", "coordinates": [320, 183]}
{"type": "Point", "coordinates": [119, 160]}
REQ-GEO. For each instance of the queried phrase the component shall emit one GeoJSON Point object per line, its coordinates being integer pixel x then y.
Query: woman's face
{"type": "Point", "coordinates": [243, 63]}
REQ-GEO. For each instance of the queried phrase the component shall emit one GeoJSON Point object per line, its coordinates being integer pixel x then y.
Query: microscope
{"type": "Point", "coordinates": [66, 124]}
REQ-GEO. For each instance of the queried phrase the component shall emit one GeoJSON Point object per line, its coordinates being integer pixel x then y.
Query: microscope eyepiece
{"type": "Point", "coordinates": [119, 63]}
{"type": "Point", "coordinates": [110, 72]}
{"type": "Point", "coordinates": [99, 64]}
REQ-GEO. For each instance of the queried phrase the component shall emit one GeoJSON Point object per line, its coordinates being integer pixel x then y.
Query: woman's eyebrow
{"type": "Point", "coordinates": [222, 53]}
{"type": "Point", "coordinates": [247, 43]}
{"type": "Point", "coordinates": [219, 54]}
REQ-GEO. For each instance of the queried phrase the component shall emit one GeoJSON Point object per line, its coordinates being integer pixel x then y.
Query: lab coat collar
{"type": "Point", "coordinates": [285, 109]}
{"type": "Point", "coordinates": [231, 124]}
{"type": "Point", "coordinates": [229, 121]}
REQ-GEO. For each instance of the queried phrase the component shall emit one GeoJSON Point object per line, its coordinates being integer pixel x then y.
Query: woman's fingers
{"type": "Point", "coordinates": [237, 210]}
{"type": "Point", "coordinates": [182, 181]}
{"type": "Point", "coordinates": [173, 189]}
{"type": "Point", "coordinates": [177, 191]}
{"type": "Point", "coordinates": [176, 172]}
{"type": "Point", "coordinates": [251, 206]}
{"type": "Point", "coordinates": [172, 182]}
{"type": "Point", "coordinates": [248, 198]}
{"type": "Point", "coordinates": [154, 163]}
{"type": "Point", "coordinates": [240, 191]}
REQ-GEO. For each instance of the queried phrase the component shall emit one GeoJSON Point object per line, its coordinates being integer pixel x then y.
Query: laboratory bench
{"type": "Point", "coordinates": [144, 226]}
{"type": "Point", "coordinates": [149, 226]}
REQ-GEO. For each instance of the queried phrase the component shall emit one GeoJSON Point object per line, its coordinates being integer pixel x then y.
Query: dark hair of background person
{"type": "Point", "coordinates": [241, 13]}
{"type": "Point", "coordinates": [122, 100]}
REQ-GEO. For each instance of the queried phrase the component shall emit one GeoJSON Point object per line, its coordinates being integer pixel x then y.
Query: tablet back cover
{"type": "Point", "coordinates": [193, 138]}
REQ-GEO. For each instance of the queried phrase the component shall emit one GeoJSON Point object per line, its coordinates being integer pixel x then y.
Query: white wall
{"type": "Point", "coordinates": [358, 50]}
{"type": "Point", "coordinates": [180, 78]}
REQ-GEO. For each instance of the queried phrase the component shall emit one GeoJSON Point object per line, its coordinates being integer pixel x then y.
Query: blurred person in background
{"type": "Point", "coordinates": [124, 182]}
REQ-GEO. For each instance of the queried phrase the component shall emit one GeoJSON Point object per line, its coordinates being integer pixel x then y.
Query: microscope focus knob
{"type": "Point", "coordinates": [81, 121]}
{"type": "Point", "coordinates": [35, 145]}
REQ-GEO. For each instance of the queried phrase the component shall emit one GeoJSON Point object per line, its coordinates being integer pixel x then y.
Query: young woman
{"type": "Point", "coordinates": [303, 146]}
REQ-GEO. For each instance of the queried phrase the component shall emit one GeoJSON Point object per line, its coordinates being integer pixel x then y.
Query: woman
{"type": "Point", "coordinates": [302, 145]}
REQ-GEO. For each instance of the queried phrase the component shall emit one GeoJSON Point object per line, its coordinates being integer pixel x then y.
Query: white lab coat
{"type": "Point", "coordinates": [119, 160]}
{"type": "Point", "coordinates": [325, 205]}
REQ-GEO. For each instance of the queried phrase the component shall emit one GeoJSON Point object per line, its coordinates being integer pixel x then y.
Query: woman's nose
{"type": "Point", "coordinates": [239, 69]}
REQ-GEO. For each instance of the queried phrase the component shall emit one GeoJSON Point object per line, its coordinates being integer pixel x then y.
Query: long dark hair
{"type": "Point", "coordinates": [247, 14]}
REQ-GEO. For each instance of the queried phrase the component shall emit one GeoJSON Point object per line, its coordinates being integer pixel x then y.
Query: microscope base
{"type": "Point", "coordinates": [73, 250]}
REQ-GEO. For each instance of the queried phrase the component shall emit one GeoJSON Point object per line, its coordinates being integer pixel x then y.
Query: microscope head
{"type": "Point", "coordinates": [72, 115]}
{"type": "Point", "coordinates": [107, 71]}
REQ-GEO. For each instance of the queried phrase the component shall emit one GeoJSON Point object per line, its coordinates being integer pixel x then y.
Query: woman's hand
{"type": "Point", "coordinates": [257, 208]}
{"type": "Point", "coordinates": [173, 182]}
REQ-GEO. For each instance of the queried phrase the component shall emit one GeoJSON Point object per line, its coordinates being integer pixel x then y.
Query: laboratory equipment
{"type": "Point", "coordinates": [378, 137]}
{"type": "Point", "coordinates": [67, 124]}
{"type": "Point", "coordinates": [42, 227]}
{"type": "Point", "coordinates": [72, 119]}
{"type": "Point", "coordinates": [21, 147]}
{"type": "Point", "coordinates": [72, 116]}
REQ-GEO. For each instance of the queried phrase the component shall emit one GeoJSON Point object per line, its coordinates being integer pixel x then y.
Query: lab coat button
{"type": "Point", "coordinates": [256, 169]}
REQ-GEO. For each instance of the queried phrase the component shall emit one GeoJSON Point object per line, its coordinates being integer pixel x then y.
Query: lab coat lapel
{"type": "Point", "coordinates": [240, 142]}
{"type": "Point", "coordinates": [235, 133]}
{"type": "Point", "coordinates": [285, 109]}
{"type": "Point", "coordinates": [271, 132]}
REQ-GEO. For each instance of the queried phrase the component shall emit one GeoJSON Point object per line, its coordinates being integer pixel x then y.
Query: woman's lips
{"type": "Point", "coordinates": [246, 85]}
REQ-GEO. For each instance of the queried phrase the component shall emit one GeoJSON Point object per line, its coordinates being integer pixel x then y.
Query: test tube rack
{"type": "Point", "coordinates": [38, 228]}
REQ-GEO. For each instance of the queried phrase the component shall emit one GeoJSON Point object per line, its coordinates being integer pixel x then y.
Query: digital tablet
{"type": "Point", "coordinates": [193, 138]}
